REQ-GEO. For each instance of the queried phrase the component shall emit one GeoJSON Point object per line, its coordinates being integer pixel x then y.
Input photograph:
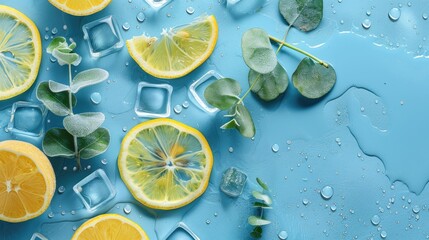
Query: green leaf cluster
{"type": "Point", "coordinates": [263, 201]}
{"type": "Point", "coordinates": [82, 136]}
{"type": "Point", "coordinates": [267, 78]}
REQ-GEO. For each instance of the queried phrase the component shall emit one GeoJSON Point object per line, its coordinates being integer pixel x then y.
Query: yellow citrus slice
{"type": "Point", "coordinates": [20, 52]}
{"type": "Point", "coordinates": [27, 181]}
{"type": "Point", "coordinates": [110, 227]}
{"type": "Point", "coordinates": [165, 164]}
{"type": "Point", "coordinates": [179, 50]}
{"type": "Point", "coordinates": [80, 7]}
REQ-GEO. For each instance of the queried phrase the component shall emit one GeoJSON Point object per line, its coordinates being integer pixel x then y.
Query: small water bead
{"type": "Point", "coordinates": [61, 189]}
{"type": "Point", "coordinates": [72, 212]}
{"type": "Point", "coordinates": [74, 228]}
{"type": "Point", "coordinates": [327, 192]}
{"type": "Point", "coordinates": [130, 1]}
{"type": "Point", "coordinates": [65, 168]}
{"type": "Point", "coordinates": [104, 161]}
{"type": "Point", "coordinates": [333, 208]}
{"type": "Point", "coordinates": [416, 209]}
{"type": "Point", "coordinates": [63, 212]}
{"type": "Point", "coordinates": [394, 14]}
{"type": "Point", "coordinates": [375, 220]}
{"type": "Point", "coordinates": [368, 13]}
{"type": "Point", "coordinates": [141, 17]}
{"type": "Point", "coordinates": [126, 26]}
{"type": "Point", "coordinates": [282, 235]}
{"type": "Point", "coordinates": [305, 201]}
{"type": "Point", "coordinates": [96, 98]}
{"type": "Point", "coordinates": [425, 16]}
{"type": "Point", "coordinates": [74, 169]}
{"type": "Point", "coordinates": [275, 148]}
{"type": "Point", "coordinates": [383, 234]}
{"type": "Point", "coordinates": [340, 1]}
{"type": "Point", "coordinates": [52, 59]}
{"type": "Point", "coordinates": [185, 104]}
{"type": "Point", "coordinates": [65, 27]}
{"type": "Point", "coordinates": [178, 109]}
{"type": "Point", "coordinates": [127, 209]}
{"type": "Point", "coordinates": [50, 215]}
{"type": "Point", "coordinates": [54, 31]}
{"type": "Point", "coordinates": [46, 29]}
{"type": "Point", "coordinates": [124, 129]}
{"type": "Point", "coordinates": [190, 10]}
{"type": "Point", "coordinates": [366, 23]}
{"type": "Point", "coordinates": [230, 149]}
{"type": "Point", "coordinates": [88, 167]}
{"type": "Point", "coordinates": [46, 36]}
{"type": "Point", "coordinates": [409, 4]}
{"type": "Point", "coordinates": [207, 222]}
{"type": "Point", "coordinates": [215, 214]}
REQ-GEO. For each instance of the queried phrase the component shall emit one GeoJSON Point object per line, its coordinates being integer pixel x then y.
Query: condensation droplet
{"type": "Point", "coordinates": [104, 161]}
{"type": "Point", "coordinates": [124, 129]}
{"type": "Point", "coordinates": [96, 98]}
{"type": "Point", "coordinates": [275, 148]}
{"type": "Point", "coordinates": [394, 14]}
{"type": "Point", "coordinates": [282, 235]}
{"type": "Point", "coordinates": [207, 221]}
{"type": "Point", "coordinates": [127, 209]}
{"type": "Point", "coordinates": [61, 189]}
{"type": "Point", "coordinates": [425, 16]}
{"type": "Point", "coordinates": [126, 26]}
{"type": "Point", "coordinates": [375, 220]}
{"type": "Point", "coordinates": [190, 10]}
{"type": "Point", "coordinates": [141, 17]}
{"type": "Point", "coordinates": [383, 234]}
{"type": "Point", "coordinates": [65, 27]}
{"type": "Point", "coordinates": [327, 192]}
{"type": "Point", "coordinates": [50, 215]}
{"type": "Point", "coordinates": [333, 208]}
{"type": "Point", "coordinates": [178, 109]}
{"type": "Point", "coordinates": [305, 201]}
{"type": "Point", "coordinates": [366, 23]}
{"type": "Point", "coordinates": [54, 31]}
{"type": "Point", "coordinates": [416, 209]}
{"type": "Point", "coordinates": [185, 104]}
{"type": "Point", "coordinates": [230, 149]}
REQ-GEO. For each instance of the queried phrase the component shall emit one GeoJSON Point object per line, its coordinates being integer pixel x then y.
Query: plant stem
{"type": "Point", "coordinates": [76, 152]}
{"type": "Point", "coordinates": [283, 43]}
{"type": "Point", "coordinates": [284, 39]}
{"type": "Point", "coordinates": [250, 88]}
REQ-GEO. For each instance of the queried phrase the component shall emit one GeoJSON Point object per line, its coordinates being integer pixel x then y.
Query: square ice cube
{"type": "Point", "coordinates": [197, 88]}
{"type": "Point", "coordinates": [157, 4]}
{"type": "Point", "coordinates": [38, 236]}
{"type": "Point", "coordinates": [233, 181]}
{"type": "Point", "coordinates": [181, 231]}
{"type": "Point", "coordinates": [153, 100]}
{"type": "Point", "coordinates": [103, 36]}
{"type": "Point", "coordinates": [27, 118]}
{"type": "Point", "coordinates": [95, 190]}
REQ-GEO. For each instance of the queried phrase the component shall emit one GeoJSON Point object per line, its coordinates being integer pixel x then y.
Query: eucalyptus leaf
{"type": "Point", "coordinates": [55, 43]}
{"type": "Point", "coordinates": [223, 93]}
{"type": "Point", "coordinates": [257, 232]}
{"type": "Point", "coordinates": [58, 87]}
{"type": "Point", "coordinates": [58, 143]}
{"type": "Point", "coordinates": [242, 121]}
{"type": "Point", "coordinates": [258, 53]}
{"type": "Point", "coordinates": [313, 80]}
{"type": "Point", "coordinates": [263, 197]}
{"type": "Point", "coordinates": [88, 78]}
{"type": "Point", "coordinates": [262, 205]}
{"type": "Point", "coordinates": [256, 221]}
{"type": "Point", "coordinates": [94, 144]}
{"type": "Point", "coordinates": [81, 125]}
{"type": "Point", "coordinates": [65, 58]}
{"type": "Point", "coordinates": [305, 15]}
{"type": "Point", "coordinates": [262, 184]}
{"type": "Point", "coordinates": [57, 103]}
{"type": "Point", "coordinates": [269, 86]}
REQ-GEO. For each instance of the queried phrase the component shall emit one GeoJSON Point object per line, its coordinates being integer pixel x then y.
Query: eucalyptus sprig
{"type": "Point", "coordinates": [313, 78]}
{"type": "Point", "coordinates": [263, 201]}
{"type": "Point", "coordinates": [82, 137]}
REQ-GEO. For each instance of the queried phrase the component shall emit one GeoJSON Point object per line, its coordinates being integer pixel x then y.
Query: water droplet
{"type": "Point", "coordinates": [275, 147]}
{"type": "Point", "coordinates": [65, 168]}
{"type": "Point", "coordinates": [74, 228]}
{"type": "Point", "coordinates": [366, 23]}
{"type": "Point", "coordinates": [96, 98]}
{"type": "Point", "coordinates": [207, 221]}
{"type": "Point", "coordinates": [230, 149]}
{"type": "Point", "coordinates": [130, 1]}
{"type": "Point", "coordinates": [215, 214]}
{"type": "Point", "coordinates": [63, 213]}
{"type": "Point", "coordinates": [394, 14]}
{"type": "Point", "coordinates": [282, 235]}
{"type": "Point", "coordinates": [190, 10]}
{"type": "Point", "coordinates": [46, 29]}
{"type": "Point", "coordinates": [126, 26]}
{"type": "Point", "coordinates": [168, 15]}
{"type": "Point", "coordinates": [185, 104]}
{"type": "Point", "coordinates": [65, 27]}
{"type": "Point", "coordinates": [341, 22]}
{"type": "Point", "coordinates": [124, 129]}
{"type": "Point", "coordinates": [73, 212]}
{"type": "Point", "coordinates": [368, 12]}
{"type": "Point", "coordinates": [375, 220]}
{"type": "Point", "coordinates": [178, 109]}
{"type": "Point", "coordinates": [61, 189]}
{"type": "Point", "coordinates": [305, 201]}
{"type": "Point", "coordinates": [340, 1]}
{"type": "Point", "coordinates": [141, 17]}
{"type": "Point", "coordinates": [127, 209]}
{"type": "Point", "coordinates": [327, 192]}
{"type": "Point", "coordinates": [126, 64]}
{"type": "Point", "coordinates": [333, 208]}
{"type": "Point", "coordinates": [46, 37]}
{"type": "Point", "coordinates": [52, 59]}
{"type": "Point", "coordinates": [104, 161]}
{"type": "Point", "coordinates": [416, 209]}
{"type": "Point", "coordinates": [74, 169]}
{"type": "Point", "coordinates": [54, 31]}
{"type": "Point", "coordinates": [409, 201]}
{"type": "Point", "coordinates": [362, 109]}
{"type": "Point", "coordinates": [409, 4]}
{"type": "Point", "coordinates": [88, 167]}
{"type": "Point", "coordinates": [50, 215]}
{"type": "Point", "coordinates": [383, 234]}
{"type": "Point", "coordinates": [425, 16]}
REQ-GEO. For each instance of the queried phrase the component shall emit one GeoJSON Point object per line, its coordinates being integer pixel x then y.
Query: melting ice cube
{"type": "Point", "coordinates": [157, 4]}
{"type": "Point", "coordinates": [181, 232]}
{"type": "Point", "coordinates": [38, 236]}
{"type": "Point", "coordinates": [27, 118]}
{"type": "Point", "coordinates": [196, 90]}
{"type": "Point", "coordinates": [153, 100]}
{"type": "Point", "coordinates": [233, 181]}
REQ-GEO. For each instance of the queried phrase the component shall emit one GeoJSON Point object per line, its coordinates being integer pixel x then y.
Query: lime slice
{"type": "Point", "coordinates": [179, 50]}
{"type": "Point", "coordinates": [165, 164]}
{"type": "Point", "coordinates": [20, 52]}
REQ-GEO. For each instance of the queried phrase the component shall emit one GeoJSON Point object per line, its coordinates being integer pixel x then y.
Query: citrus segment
{"type": "Point", "coordinates": [80, 7]}
{"type": "Point", "coordinates": [165, 164]}
{"type": "Point", "coordinates": [179, 50]}
{"type": "Point", "coordinates": [110, 227]}
{"type": "Point", "coordinates": [20, 52]}
{"type": "Point", "coordinates": [27, 181]}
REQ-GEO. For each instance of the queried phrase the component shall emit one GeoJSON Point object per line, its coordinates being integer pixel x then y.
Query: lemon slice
{"type": "Point", "coordinates": [165, 164]}
{"type": "Point", "coordinates": [20, 52]}
{"type": "Point", "coordinates": [110, 227]}
{"type": "Point", "coordinates": [27, 181]}
{"type": "Point", "coordinates": [179, 50]}
{"type": "Point", "coordinates": [80, 7]}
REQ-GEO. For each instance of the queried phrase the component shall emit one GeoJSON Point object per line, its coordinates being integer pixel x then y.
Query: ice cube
{"type": "Point", "coordinates": [95, 190]}
{"type": "Point", "coordinates": [244, 7]}
{"type": "Point", "coordinates": [38, 236]}
{"type": "Point", "coordinates": [153, 100]}
{"type": "Point", "coordinates": [183, 232]}
{"type": "Point", "coordinates": [233, 181]}
{"type": "Point", "coordinates": [157, 4]}
{"type": "Point", "coordinates": [103, 36]}
{"type": "Point", "coordinates": [27, 118]}
{"type": "Point", "coordinates": [196, 90]}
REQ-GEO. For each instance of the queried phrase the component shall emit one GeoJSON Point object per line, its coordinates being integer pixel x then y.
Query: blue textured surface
{"type": "Point", "coordinates": [367, 139]}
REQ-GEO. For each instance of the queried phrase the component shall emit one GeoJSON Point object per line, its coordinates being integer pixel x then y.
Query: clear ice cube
{"type": "Point", "coordinates": [181, 232]}
{"type": "Point", "coordinates": [233, 181]}
{"type": "Point", "coordinates": [244, 7]}
{"type": "Point", "coordinates": [103, 36]}
{"type": "Point", "coordinates": [157, 4]}
{"type": "Point", "coordinates": [153, 100]}
{"type": "Point", "coordinates": [95, 190]}
{"type": "Point", "coordinates": [38, 236]}
{"type": "Point", "coordinates": [27, 118]}
{"type": "Point", "coordinates": [197, 88]}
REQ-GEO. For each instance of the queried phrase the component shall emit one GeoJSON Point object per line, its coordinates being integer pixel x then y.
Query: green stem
{"type": "Point", "coordinates": [283, 43]}
{"type": "Point", "coordinates": [248, 90]}
{"type": "Point", "coordinates": [284, 39]}
{"type": "Point", "coordinates": [76, 152]}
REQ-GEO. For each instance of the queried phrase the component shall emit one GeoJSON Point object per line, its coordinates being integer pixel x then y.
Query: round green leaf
{"type": "Point", "coordinates": [58, 103]}
{"type": "Point", "coordinates": [313, 80]}
{"type": "Point", "coordinates": [305, 15]}
{"type": "Point", "coordinates": [94, 144]}
{"type": "Point", "coordinates": [87, 78]}
{"type": "Point", "coordinates": [269, 86]}
{"type": "Point", "coordinates": [223, 93]}
{"type": "Point", "coordinates": [242, 121]}
{"type": "Point", "coordinates": [81, 125]}
{"type": "Point", "coordinates": [258, 53]}
{"type": "Point", "coordinates": [58, 143]}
